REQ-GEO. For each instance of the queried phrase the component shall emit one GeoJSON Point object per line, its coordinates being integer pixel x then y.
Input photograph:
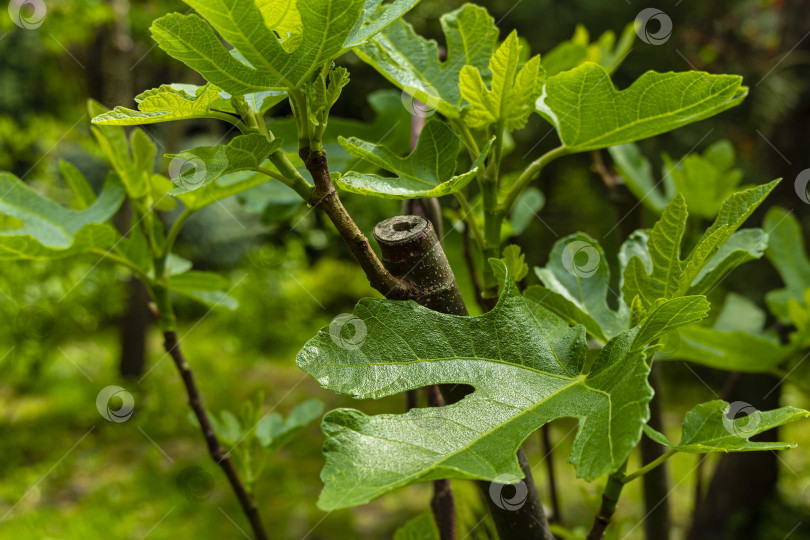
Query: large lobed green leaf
{"type": "Point", "coordinates": [527, 366]}
{"type": "Point", "coordinates": [589, 113]}
{"type": "Point", "coordinates": [707, 428]}
{"type": "Point", "coordinates": [428, 171]}
{"type": "Point", "coordinates": [412, 63]}
{"type": "Point", "coordinates": [49, 230]}
{"type": "Point", "coordinates": [576, 287]}
{"type": "Point", "coordinates": [658, 271]}
{"type": "Point", "coordinates": [277, 44]}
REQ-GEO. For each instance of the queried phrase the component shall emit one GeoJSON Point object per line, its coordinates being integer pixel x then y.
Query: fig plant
{"type": "Point", "coordinates": [570, 347]}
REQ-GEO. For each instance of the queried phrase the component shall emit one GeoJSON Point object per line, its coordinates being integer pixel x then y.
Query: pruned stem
{"type": "Point", "coordinates": [218, 454]}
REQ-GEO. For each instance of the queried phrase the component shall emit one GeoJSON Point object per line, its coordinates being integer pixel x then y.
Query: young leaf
{"type": "Point", "coordinates": [708, 428]}
{"type": "Point", "coordinates": [636, 171]}
{"type": "Point", "coordinates": [50, 230]}
{"type": "Point", "coordinates": [787, 254]}
{"type": "Point", "coordinates": [375, 18]}
{"type": "Point", "coordinates": [412, 63]}
{"type": "Point", "coordinates": [515, 262]}
{"type": "Point", "coordinates": [662, 273]}
{"type": "Point", "coordinates": [230, 184]}
{"type": "Point", "coordinates": [261, 61]}
{"type": "Point", "coordinates": [428, 171]}
{"type": "Point", "coordinates": [422, 527]}
{"type": "Point", "coordinates": [589, 113]}
{"type": "Point", "coordinates": [165, 104]}
{"type": "Point", "coordinates": [205, 287]}
{"type": "Point", "coordinates": [605, 51]}
{"type": "Point", "coordinates": [273, 431]}
{"type": "Point", "coordinates": [576, 285]}
{"type": "Point", "coordinates": [85, 196]}
{"type": "Point", "coordinates": [208, 163]}
{"type": "Point", "coordinates": [132, 160]}
{"type": "Point", "coordinates": [510, 100]}
{"type": "Point", "coordinates": [527, 365]}
{"type": "Point", "coordinates": [705, 180]}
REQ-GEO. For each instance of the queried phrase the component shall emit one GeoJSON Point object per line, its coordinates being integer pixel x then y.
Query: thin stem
{"type": "Point", "coordinates": [297, 183]}
{"type": "Point", "coordinates": [467, 138]}
{"type": "Point", "coordinates": [230, 119]}
{"type": "Point", "coordinates": [218, 454]}
{"type": "Point", "coordinates": [470, 262]}
{"type": "Point", "coordinates": [174, 231]}
{"type": "Point", "coordinates": [469, 219]}
{"type": "Point", "coordinates": [649, 466]}
{"type": "Point", "coordinates": [112, 257]}
{"type": "Point", "coordinates": [610, 498]}
{"type": "Point", "coordinates": [528, 175]}
{"type": "Point", "coordinates": [552, 477]}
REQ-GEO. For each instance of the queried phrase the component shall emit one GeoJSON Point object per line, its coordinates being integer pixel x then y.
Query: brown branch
{"type": "Point", "coordinates": [410, 248]}
{"type": "Point", "coordinates": [326, 198]}
{"type": "Point", "coordinates": [218, 454]}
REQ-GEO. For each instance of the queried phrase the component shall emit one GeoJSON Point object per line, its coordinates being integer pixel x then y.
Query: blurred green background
{"type": "Point", "coordinates": [72, 328]}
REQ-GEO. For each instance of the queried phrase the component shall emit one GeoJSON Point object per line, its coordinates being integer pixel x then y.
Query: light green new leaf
{"type": "Point", "coordinates": [428, 171]}
{"type": "Point", "coordinates": [636, 171]}
{"type": "Point", "coordinates": [422, 527]}
{"type": "Point", "coordinates": [515, 262]}
{"type": "Point", "coordinates": [225, 186]}
{"type": "Point", "coordinates": [576, 285]}
{"type": "Point", "coordinates": [375, 18]}
{"type": "Point", "coordinates": [605, 51]}
{"type": "Point", "coordinates": [132, 160]}
{"type": "Point", "coordinates": [274, 431]}
{"type": "Point", "coordinates": [736, 341]}
{"type": "Point", "coordinates": [261, 61]}
{"type": "Point", "coordinates": [412, 63]}
{"type": "Point", "coordinates": [85, 196]}
{"type": "Point", "coordinates": [165, 104]}
{"type": "Point", "coordinates": [527, 366]}
{"type": "Point", "coordinates": [510, 100]}
{"type": "Point", "coordinates": [741, 247]}
{"type": "Point", "coordinates": [589, 113]}
{"type": "Point", "coordinates": [205, 287]}
{"type": "Point", "coordinates": [208, 163]}
{"type": "Point", "coordinates": [707, 428]}
{"type": "Point", "coordinates": [49, 230]}
{"type": "Point", "coordinates": [662, 273]}
{"type": "Point", "coordinates": [787, 252]}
